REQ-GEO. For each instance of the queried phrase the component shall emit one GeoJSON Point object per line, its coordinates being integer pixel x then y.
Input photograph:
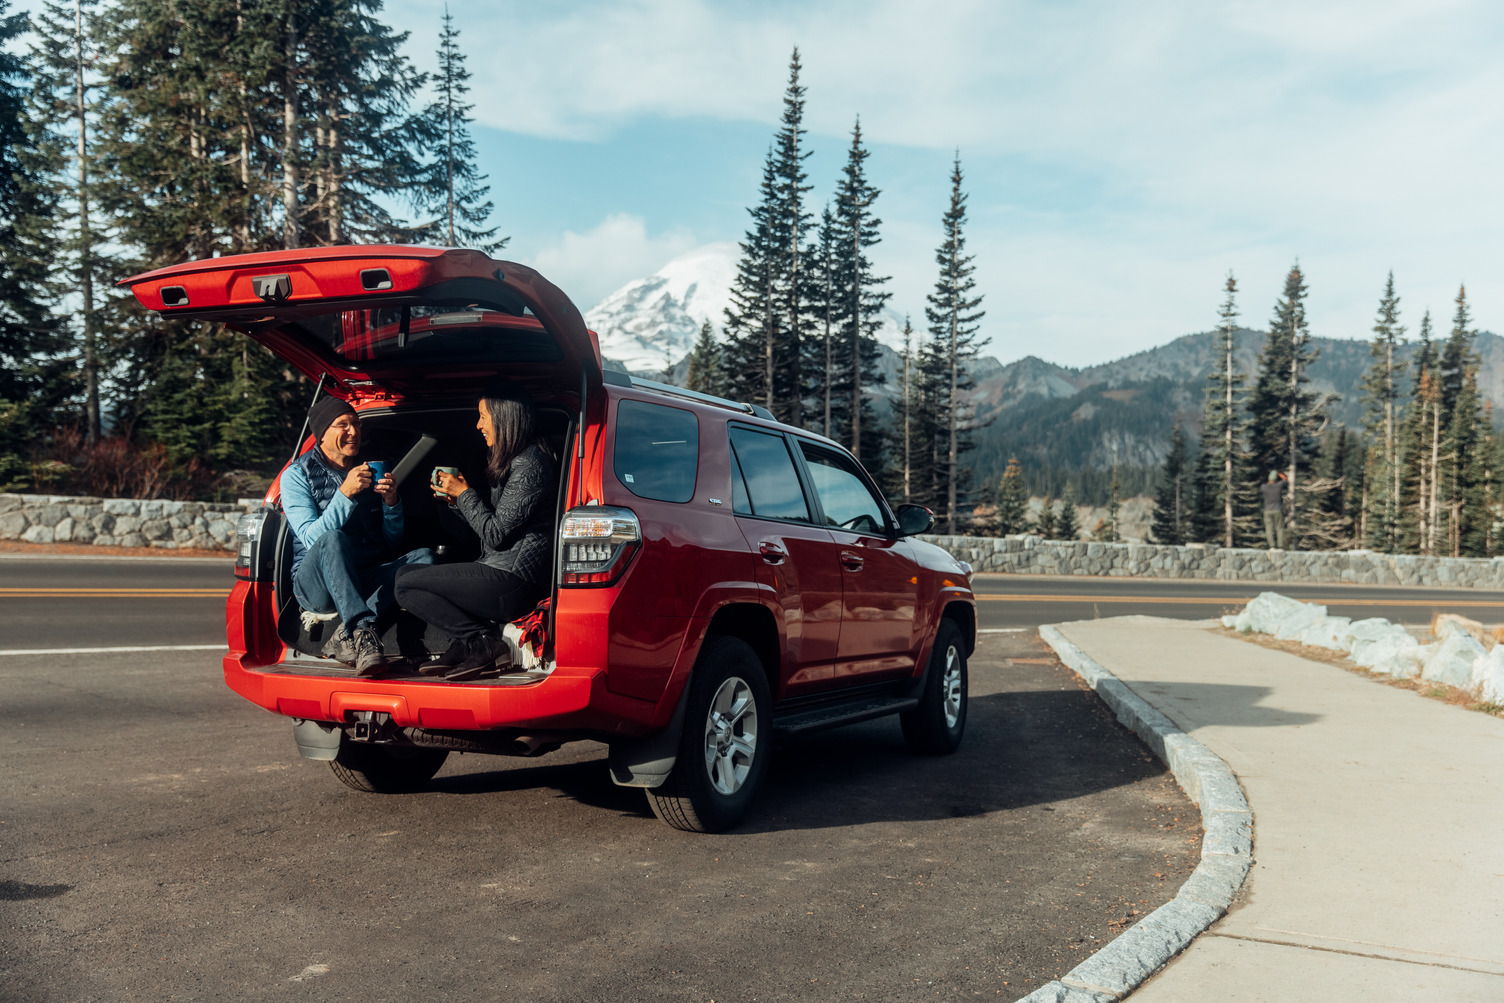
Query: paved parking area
{"type": "Point", "coordinates": [160, 838]}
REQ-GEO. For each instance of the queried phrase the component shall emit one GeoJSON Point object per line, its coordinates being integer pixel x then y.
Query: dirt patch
{"type": "Point", "coordinates": [1425, 687]}
{"type": "Point", "coordinates": [20, 547]}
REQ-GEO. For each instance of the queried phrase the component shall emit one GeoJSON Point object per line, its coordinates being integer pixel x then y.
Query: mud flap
{"type": "Point", "coordinates": [316, 739]}
{"type": "Point", "coordinates": [647, 762]}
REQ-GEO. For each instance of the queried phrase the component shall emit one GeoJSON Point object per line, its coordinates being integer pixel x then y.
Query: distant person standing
{"type": "Point", "coordinates": [1273, 491]}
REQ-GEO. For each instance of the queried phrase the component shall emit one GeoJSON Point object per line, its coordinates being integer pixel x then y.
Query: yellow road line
{"type": "Point", "coordinates": [1235, 600]}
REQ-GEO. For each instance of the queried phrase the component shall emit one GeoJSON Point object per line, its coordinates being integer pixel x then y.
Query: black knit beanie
{"type": "Point", "coordinates": [323, 413]}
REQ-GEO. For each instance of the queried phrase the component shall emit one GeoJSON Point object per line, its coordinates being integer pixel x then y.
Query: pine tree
{"type": "Point", "coordinates": [1285, 417]}
{"type": "Point", "coordinates": [1465, 472]}
{"type": "Point", "coordinates": [954, 313]}
{"type": "Point", "coordinates": [452, 185]}
{"type": "Point", "coordinates": [1382, 394]}
{"type": "Point", "coordinates": [1171, 522]}
{"type": "Point", "coordinates": [1420, 438]}
{"type": "Point", "coordinates": [30, 383]}
{"type": "Point", "coordinates": [769, 318]}
{"type": "Point", "coordinates": [705, 373]}
{"type": "Point", "coordinates": [860, 299]}
{"type": "Point", "coordinates": [824, 307]}
{"type": "Point", "coordinates": [1067, 526]}
{"type": "Point", "coordinates": [1046, 525]}
{"type": "Point", "coordinates": [1222, 501]}
{"type": "Point", "coordinates": [1012, 501]}
{"type": "Point", "coordinates": [64, 103]}
{"type": "Point", "coordinates": [751, 325]}
{"type": "Point", "coordinates": [1107, 530]}
{"type": "Point", "coordinates": [906, 402]}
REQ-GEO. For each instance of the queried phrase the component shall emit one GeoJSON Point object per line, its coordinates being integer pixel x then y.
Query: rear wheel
{"type": "Point", "coordinates": [935, 727]}
{"type": "Point", "coordinates": [723, 753]}
{"type": "Point", "coordinates": [386, 769]}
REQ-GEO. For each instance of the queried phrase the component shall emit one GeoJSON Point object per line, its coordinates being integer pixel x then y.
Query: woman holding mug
{"type": "Point", "coordinates": [514, 521]}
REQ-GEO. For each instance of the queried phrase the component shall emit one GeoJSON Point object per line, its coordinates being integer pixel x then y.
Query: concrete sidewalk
{"type": "Point", "coordinates": [1378, 822]}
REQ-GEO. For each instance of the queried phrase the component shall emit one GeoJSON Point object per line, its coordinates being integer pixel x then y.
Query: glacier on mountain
{"type": "Point", "coordinates": [649, 325]}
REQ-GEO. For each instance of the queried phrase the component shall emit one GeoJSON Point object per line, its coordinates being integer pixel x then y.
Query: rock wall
{"type": "Point", "coordinates": [120, 522]}
{"type": "Point", "coordinates": [1031, 555]}
{"type": "Point", "coordinates": [128, 522]}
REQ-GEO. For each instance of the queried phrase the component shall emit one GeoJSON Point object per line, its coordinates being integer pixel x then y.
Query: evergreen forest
{"type": "Point", "coordinates": [137, 134]}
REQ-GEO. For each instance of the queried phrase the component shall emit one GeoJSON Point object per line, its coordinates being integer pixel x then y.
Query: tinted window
{"type": "Point", "coordinates": [772, 484]}
{"type": "Point", "coordinates": [844, 496]}
{"type": "Point", "coordinates": [657, 450]}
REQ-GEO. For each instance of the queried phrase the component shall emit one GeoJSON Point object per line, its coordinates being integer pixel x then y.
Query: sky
{"type": "Point", "coordinates": [1120, 158]}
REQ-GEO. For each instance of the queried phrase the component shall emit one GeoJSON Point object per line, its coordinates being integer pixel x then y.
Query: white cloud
{"type": "Point", "coordinates": [589, 266]}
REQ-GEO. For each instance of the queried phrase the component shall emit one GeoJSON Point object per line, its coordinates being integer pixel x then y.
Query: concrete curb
{"type": "Point", "coordinates": [1226, 849]}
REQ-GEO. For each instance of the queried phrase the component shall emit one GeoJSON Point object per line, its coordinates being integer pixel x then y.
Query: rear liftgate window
{"type": "Point", "coordinates": [657, 450]}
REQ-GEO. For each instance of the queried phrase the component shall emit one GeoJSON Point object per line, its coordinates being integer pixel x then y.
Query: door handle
{"type": "Point", "coordinates": [851, 561]}
{"type": "Point", "coordinates": [771, 552]}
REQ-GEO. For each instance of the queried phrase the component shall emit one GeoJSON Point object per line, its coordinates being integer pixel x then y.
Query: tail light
{"type": "Point", "coordinates": [255, 542]}
{"type": "Point", "coordinates": [596, 544]}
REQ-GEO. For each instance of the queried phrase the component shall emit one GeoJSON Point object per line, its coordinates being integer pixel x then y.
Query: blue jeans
{"type": "Point", "coordinates": [339, 575]}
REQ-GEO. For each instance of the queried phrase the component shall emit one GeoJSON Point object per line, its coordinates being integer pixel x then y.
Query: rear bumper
{"type": "Point", "coordinates": [566, 700]}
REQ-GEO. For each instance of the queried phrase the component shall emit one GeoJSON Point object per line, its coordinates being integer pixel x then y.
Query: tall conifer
{"type": "Point", "coordinates": [954, 313]}
{"type": "Point", "coordinates": [769, 316]}
{"type": "Point", "coordinates": [453, 186]}
{"type": "Point", "coordinates": [1384, 399]}
{"type": "Point", "coordinates": [29, 381]}
{"type": "Point", "coordinates": [1171, 521]}
{"type": "Point", "coordinates": [860, 299]}
{"type": "Point", "coordinates": [1285, 416]}
{"type": "Point", "coordinates": [1222, 506]}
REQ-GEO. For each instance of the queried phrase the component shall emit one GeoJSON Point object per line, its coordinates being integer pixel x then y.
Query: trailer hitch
{"type": "Point", "coordinates": [370, 726]}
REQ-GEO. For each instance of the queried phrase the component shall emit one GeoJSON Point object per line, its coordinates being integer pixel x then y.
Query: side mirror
{"type": "Point", "coordinates": [914, 519]}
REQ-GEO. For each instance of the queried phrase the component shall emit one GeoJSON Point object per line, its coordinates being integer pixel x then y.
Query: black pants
{"type": "Point", "coordinates": [465, 599]}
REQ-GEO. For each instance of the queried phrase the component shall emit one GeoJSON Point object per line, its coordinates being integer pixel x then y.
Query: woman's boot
{"type": "Point", "coordinates": [458, 650]}
{"type": "Point", "coordinates": [485, 648]}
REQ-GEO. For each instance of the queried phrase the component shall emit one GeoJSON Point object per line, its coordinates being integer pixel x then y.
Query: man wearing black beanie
{"type": "Point", "coordinates": [342, 536]}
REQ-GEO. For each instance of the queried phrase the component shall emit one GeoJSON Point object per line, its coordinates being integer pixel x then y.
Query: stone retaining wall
{"type": "Point", "coordinates": [126, 522]}
{"type": "Point", "coordinates": [1031, 555]}
{"type": "Point", "coordinates": [120, 522]}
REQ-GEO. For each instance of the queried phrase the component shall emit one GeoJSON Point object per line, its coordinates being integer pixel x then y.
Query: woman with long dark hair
{"type": "Point", "coordinates": [471, 602]}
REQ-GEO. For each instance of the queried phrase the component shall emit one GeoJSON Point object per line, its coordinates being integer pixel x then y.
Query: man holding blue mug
{"type": "Point", "coordinates": [346, 520]}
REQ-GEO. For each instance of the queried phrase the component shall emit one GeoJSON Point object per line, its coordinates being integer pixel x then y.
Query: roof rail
{"type": "Point", "coordinates": [621, 379]}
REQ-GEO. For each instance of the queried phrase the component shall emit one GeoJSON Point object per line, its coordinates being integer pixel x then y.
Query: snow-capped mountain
{"type": "Point", "coordinates": [649, 325]}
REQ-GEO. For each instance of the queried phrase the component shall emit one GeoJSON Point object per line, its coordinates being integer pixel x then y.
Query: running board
{"type": "Point", "coordinates": [834, 715]}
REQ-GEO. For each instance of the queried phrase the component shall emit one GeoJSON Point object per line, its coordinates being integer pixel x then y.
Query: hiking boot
{"type": "Point", "coordinates": [370, 660]}
{"type": "Point", "coordinates": [481, 658]}
{"type": "Point", "coordinates": [340, 646]}
{"type": "Point", "coordinates": [453, 655]}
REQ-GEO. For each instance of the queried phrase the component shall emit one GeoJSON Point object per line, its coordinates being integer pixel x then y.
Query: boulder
{"type": "Point", "coordinates": [1272, 613]}
{"type": "Point", "coordinates": [1393, 653]}
{"type": "Point", "coordinates": [1488, 676]}
{"type": "Point", "coordinates": [1444, 625]}
{"type": "Point", "coordinates": [1452, 660]}
{"type": "Point", "coordinates": [1333, 633]}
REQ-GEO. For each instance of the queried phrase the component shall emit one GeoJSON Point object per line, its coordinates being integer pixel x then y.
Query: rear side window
{"type": "Point", "coordinates": [772, 484]}
{"type": "Point", "coordinates": [657, 450]}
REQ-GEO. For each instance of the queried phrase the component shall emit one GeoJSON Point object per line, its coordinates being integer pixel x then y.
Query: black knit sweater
{"type": "Point", "coordinates": [516, 526]}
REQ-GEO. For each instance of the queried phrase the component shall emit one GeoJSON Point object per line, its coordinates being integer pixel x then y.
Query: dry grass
{"type": "Point", "coordinates": [1425, 687]}
{"type": "Point", "coordinates": [20, 547]}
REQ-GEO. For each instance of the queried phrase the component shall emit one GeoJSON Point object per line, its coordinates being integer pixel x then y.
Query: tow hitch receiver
{"type": "Point", "coordinates": [370, 726]}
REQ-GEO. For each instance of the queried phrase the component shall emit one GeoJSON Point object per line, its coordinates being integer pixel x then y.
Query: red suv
{"type": "Point", "coordinates": [719, 578]}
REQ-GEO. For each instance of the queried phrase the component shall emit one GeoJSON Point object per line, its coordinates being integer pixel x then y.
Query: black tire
{"type": "Point", "coordinates": [386, 769]}
{"type": "Point", "coordinates": [727, 739]}
{"type": "Point", "coordinates": [935, 727]}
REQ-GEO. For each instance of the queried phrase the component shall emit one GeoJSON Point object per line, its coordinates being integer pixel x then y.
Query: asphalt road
{"type": "Point", "coordinates": [160, 838]}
